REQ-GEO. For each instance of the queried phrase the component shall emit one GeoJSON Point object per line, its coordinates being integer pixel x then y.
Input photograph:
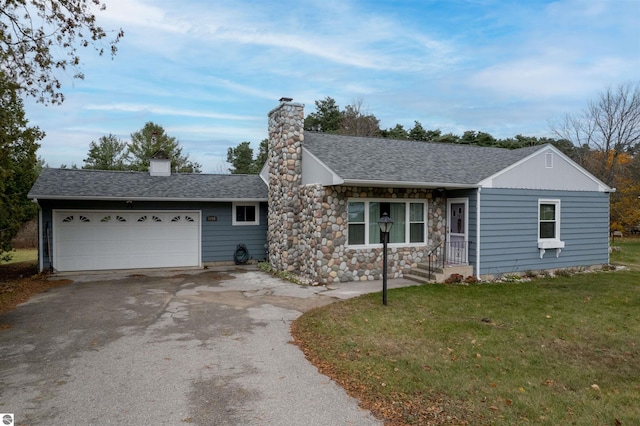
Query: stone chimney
{"type": "Point", "coordinates": [160, 164]}
{"type": "Point", "coordinates": [285, 177]}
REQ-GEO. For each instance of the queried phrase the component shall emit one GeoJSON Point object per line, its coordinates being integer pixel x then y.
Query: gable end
{"type": "Point", "coordinates": [548, 169]}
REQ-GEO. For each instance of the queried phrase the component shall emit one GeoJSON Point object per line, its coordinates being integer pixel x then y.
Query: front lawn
{"type": "Point", "coordinates": [626, 251]}
{"type": "Point", "coordinates": [22, 255]}
{"type": "Point", "coordinates": [562, 350]}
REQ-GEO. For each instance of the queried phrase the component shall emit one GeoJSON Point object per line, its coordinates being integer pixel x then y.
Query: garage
{"type": "Point", "coordinates": [100, 240]}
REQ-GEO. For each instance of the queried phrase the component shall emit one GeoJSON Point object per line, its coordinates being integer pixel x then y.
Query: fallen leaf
{"type": "Point", "coordinates": [521, 389]}
{"type": "Point", "coordinates": [508, 401]}
{"type": "Point", "coordinates": [595, 387]}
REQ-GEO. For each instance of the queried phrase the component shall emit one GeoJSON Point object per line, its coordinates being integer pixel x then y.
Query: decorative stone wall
{"type": "Point", "coordinates": [324, 255]}
{"type": "Point", "coordinates": [308, 224]}
{"type": "Point", "coordinates": [285, 176]}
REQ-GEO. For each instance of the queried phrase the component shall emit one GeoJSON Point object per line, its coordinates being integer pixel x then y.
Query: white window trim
{"type": "Point", "coordinates": [407, 213]}
{"type": "Point", "coordinates": [234, 222]}
{"type": "Point", "coordinates": [545, 244]}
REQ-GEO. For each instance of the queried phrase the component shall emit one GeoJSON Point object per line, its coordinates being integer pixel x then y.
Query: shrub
{"type": "Point", "coordinates": [511, 278]}
{"type": "Point", "coordinates": [564, 273]}
{"type": "Point", "coordinates": [265, 267]}
{"type": "Point", "coordinates": [454, 279]}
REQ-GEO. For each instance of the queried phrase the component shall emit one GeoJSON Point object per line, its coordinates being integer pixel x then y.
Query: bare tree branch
{"type": "Point", "coordinates": [39, 38]}
{"type": "Point", "coordinates": [609, 124]}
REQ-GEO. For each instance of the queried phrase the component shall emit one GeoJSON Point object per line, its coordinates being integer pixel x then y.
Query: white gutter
{"type": "Point", "coordinates": [478, 223]}
{"type": "Point", "coordinates": [403, 184]}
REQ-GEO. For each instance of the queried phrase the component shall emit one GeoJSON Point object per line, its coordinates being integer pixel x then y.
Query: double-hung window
{"type": "Point", "coordinates": [549, 219]}
{"type": "Point", "coordinates": [409, 219]}
{"type": "Point", "coordinates": [549, 226]}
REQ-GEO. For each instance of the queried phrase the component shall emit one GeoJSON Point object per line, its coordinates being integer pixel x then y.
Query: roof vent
{"type": "Point", "coordinates": [286, 99]}
{"type": "Point", "coordinates": [548, 160]}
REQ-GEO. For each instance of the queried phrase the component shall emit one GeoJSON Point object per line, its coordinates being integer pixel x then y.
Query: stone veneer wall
{"type": "Point", "coordinates": [308, 224]}
{"type": "Point", "coordinates": [285, 177]}
{"type": "Point", "coordinates": [323, 251]}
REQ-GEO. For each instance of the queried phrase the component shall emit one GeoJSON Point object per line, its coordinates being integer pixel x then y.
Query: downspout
{"type": "Point", "coordinates": [40, 246]}
{"type": "Point", "coordinates": [478, 222]}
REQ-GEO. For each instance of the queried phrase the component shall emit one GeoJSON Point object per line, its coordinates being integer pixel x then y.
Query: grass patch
{"type": "Point", "coordinates": [626, 251]}
{"type": "Point", "coordinates": [552, 351]}
{"type": "Point", "coordinates": [285, 275]}
{"type": "Point", "coordinates": [22, 255]}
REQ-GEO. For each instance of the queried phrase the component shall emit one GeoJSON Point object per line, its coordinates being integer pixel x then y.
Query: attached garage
{"type": "Point", "coordinates": [105, 220]}
{"type": "Point", "coordinates": [99, 240]}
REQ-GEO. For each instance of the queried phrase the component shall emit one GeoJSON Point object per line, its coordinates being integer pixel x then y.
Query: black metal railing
{"type": "Point", "coordinates": [436, 257]}
{"type": "Point", "coordinates": [447, 253]}
{"type": "Point", "coordinates": [457, 252]}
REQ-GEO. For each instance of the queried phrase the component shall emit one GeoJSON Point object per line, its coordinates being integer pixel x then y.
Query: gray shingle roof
{"type": "Point", "coordinates": [78, 183]}
{"type": "Point", "coordinates": [360, 158]}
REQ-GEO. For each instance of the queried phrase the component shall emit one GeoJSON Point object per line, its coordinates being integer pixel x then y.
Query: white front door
{"type": "Point", "coordinates": [99, 240]}
{"type": "Point", "coordinates": [457, 230]}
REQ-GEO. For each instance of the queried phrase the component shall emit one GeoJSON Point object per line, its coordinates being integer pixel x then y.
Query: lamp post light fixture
{"type": "Point", "coordinates": [385, 224]}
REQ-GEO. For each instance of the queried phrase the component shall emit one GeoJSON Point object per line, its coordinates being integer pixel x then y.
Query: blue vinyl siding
{"type": "Point", "coordinates": [509, 230]}
{"type": "Point", "coordinates": [219, 238]}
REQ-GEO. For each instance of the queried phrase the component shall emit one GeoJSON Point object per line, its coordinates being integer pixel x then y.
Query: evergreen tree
{"type": "Point", "coordinates": [151, 139]}
{"type": "Point", "coordinates": [18, 164]}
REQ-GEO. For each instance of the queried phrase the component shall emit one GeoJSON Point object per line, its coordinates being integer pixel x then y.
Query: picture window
{"type": "Point", "coordinates": [409, 219]}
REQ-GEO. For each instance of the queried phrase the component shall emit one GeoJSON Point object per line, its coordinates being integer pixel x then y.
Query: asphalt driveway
{"type": "Point", "coordinates": [188, 347]}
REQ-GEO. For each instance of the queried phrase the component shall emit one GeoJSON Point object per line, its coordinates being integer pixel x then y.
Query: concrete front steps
{"type": "Point", "coordinates": [421, 273]}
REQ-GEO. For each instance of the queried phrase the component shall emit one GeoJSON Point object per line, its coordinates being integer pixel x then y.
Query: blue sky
{"type": "Point", "coordinates": [210, 71]}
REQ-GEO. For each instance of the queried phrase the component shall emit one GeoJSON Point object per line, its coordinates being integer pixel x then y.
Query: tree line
{"type": "Point", "coordinates": [354, 120]}
{"type": "Point", "coordinates": [603, 138]}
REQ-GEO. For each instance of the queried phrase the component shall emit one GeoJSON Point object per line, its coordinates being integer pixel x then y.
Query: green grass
{"type": "Point", "coordinates": [22, 255]}
{"type": "Point", "coordinates": [563, 350]}
{"type": "Point", "coordinates": [628, 253]}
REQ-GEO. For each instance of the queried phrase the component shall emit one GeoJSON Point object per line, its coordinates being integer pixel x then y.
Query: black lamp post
{"type": "Point", "coordinates": [385, 224]}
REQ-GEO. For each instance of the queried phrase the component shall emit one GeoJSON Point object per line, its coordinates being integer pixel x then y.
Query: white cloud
{"type": "Point", "coordinates": [209, 72]}
{"type": "Point", "coordinates": [159, 110]}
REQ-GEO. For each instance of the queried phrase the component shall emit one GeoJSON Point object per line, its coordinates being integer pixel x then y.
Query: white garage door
{"type": "Point", "coordinates": [92, 240]}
